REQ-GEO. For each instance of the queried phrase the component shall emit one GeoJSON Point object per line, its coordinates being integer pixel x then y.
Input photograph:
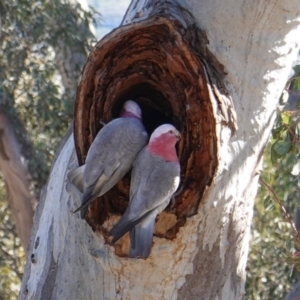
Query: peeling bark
{"type": "Point", "coordinates": [231, 74]}
{"type": "Point", "coordinates": [16, 177]}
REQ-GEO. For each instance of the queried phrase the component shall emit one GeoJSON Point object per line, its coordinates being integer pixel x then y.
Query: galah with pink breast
{"type": "Point", "coordinates": [155, 178]}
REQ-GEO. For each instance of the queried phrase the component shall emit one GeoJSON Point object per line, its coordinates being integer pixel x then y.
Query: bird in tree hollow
{"type": "Point", "coordinates": [154, 179]}
{"type": "Point", "coordinates": [111, 155]}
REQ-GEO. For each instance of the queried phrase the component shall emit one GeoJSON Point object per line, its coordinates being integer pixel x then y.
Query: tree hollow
{"type": "Point", "coordinates": [150, 62]}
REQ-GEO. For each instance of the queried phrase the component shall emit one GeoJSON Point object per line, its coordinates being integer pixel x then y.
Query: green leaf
{"type": "Point", "coordinates": [297, 70]}
{"type": "Point", "coordinates": [296, 84]}
{"type": "Point", "coordinates": [282, 147]}
{"type": "Point", "coordinates": [283, 135]}
{"type": "Point", "coordinates": [288, 137]}
{"type": "Point", "coordinates": [278, 126]}
{"type": "Point", "coordinates": [286, 117]}
{"type": "Point", "coordinates": [274, 155]}
{"type": "Point", "coordinates": [268, 203]}
{"type": "Point", "coordinates": [289, 245]}
{"type": "Point", "coordinates": [292, 159]}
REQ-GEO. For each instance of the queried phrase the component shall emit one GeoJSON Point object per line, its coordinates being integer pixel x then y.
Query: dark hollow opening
{"type": "Point", "coordinates": [156, 109]}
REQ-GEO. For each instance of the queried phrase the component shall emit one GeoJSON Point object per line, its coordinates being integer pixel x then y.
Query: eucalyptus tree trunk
{"type": "Point", "coordinates": [17, 180]}
{"type": "Point", "coordinates": [215, 70]}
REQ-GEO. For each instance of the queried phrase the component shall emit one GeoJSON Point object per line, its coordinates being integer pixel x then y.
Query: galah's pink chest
{"type": "Point", "coordinates": [164, 146]}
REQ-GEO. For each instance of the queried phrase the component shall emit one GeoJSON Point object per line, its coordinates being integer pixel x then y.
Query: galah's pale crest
{"type": "Point", "coordinates": [154, 179]}
{"type": "Point", "coordinates": [111, 155]}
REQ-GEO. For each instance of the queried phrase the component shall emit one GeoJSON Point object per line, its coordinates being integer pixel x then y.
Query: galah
{"type": "Point", "coordinates": [154, 179]}
{"type": "Point", "coordinates": [111, 155]}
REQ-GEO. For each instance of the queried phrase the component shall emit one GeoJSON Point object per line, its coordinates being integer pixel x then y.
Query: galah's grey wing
{"type": "Point", "coordinates": [105, 182]}
{"type": "Point", "coordinates": [80, 177]}
{"type": "Point", "coordinates": [104, 154]}
{"type": "Point", "coordinates": [153, 181]}
{"type": "Point", "coordinates": [110, 157]}
{"type": "Point", "coordinates": [150, 189]}
{"type": "Point", "coordinates": [141, 235]}
{"type": "Point", "coordinates": [76, 178]}
{"type": "Point", "coordinates": [116, 146]}
{"type": "Point", "coordinates": [124, 225]}
{"type": "Point", "coordinates": [102, 186]}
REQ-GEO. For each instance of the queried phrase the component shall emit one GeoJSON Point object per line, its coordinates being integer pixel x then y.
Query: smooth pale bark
{"type": "Point", "coordinates": [256, 43]}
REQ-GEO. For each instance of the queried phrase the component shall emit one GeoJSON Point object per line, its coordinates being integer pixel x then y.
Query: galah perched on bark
{"type": "Point", "coordinates": [155, 178]}
{"type": "Point", "coordinates": [111, 155]}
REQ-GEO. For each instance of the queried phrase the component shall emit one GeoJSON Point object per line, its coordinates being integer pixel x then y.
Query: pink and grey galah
{"type": "Point", "coordinates": [154, 179]}
{"type": "Point", "coordinates": [111, 155]}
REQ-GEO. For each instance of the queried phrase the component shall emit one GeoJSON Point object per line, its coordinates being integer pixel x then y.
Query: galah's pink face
{"type": "Point", "coordinates": [171, 137]}
{"type": "Point", "coordinates": [162, 142]}
{"type": "Point", "coordinates": [167, 133]}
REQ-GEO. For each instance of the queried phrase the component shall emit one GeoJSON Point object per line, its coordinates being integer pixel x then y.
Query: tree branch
{"type": "Point", "coordinates": [287, 216]}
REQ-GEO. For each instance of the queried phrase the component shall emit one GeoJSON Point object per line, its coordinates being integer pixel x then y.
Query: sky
{"type": "Point", "coordinates": [112, 12]}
